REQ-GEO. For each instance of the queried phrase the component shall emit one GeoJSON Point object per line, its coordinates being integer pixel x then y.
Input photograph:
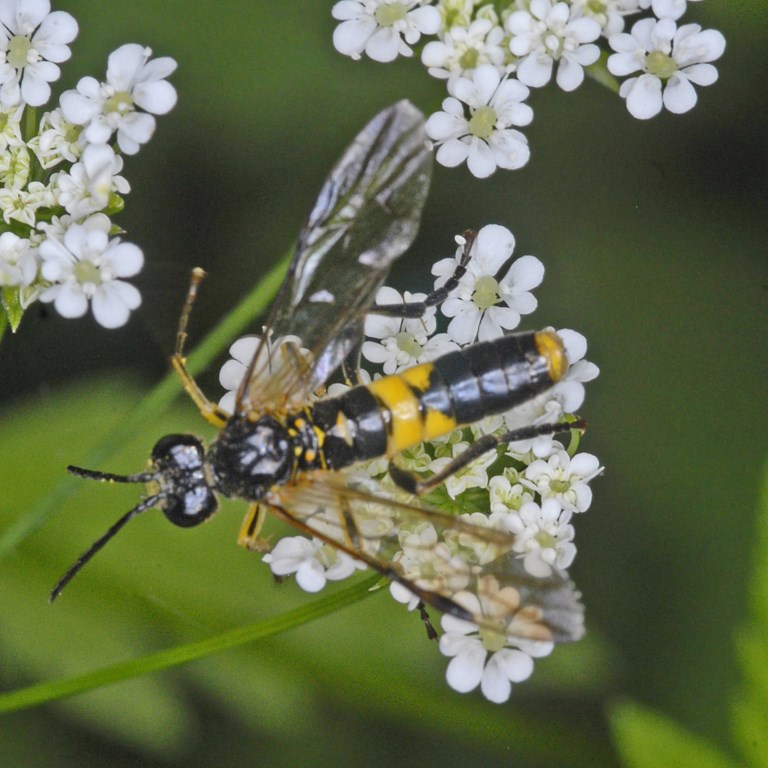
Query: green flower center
{"type": "Point", "coordinates": [387, 15]}
{"type": "Point", "coordinates": [661, 65]}
{"type": "Point", "coordinates": [121, 102]}
{"type": "Point", "coordinates": [596, 6]}
{"type": "Point", "coordinates": [468, 60]}
{"type": "Point", "coordinates": [545, 540]}
{"type": "Point", "coordinates": [18, 51]}
{"type": "Point", "coordinates": [408, 344]}
{"type": "Point", "coordinates": [483, 122]}
{"type": "Point", "coordinates": [493, 640]}
{"type": "Point", "coordinates": [486, 293]}
{"type": "Point", "coordinates": [559, 486]}
{"type": "Point", "coordinates": [87, 272]}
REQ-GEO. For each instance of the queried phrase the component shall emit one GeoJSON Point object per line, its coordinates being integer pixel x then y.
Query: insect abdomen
{"type": "Point", "coordinates": [431, 399]}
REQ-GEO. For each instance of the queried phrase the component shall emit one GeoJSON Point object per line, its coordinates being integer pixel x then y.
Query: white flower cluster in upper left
{"type": "Point", "coordinates": [491, 53]}
{"type": "Point", "coordinates": [62, 182]}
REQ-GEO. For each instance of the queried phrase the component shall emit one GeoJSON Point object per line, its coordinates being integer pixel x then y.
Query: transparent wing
{"type": "Point", "coordinates": [366, 216]}
{"type": "Point", "coordinates": [465, 570]}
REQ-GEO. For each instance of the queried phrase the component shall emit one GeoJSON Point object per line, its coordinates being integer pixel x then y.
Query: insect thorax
{"type": "Point", "coordinates": [249, 457]}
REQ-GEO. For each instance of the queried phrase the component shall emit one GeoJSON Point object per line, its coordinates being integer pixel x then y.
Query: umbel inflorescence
{"type": "Point", "coordinates": [490, 54]}
{"type": "Point", "coordinates": [533, 489]}
{"type": "Point", "coordinates": [61, 168]}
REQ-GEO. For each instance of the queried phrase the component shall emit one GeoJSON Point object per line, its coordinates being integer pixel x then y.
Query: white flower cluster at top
{"type": "Point", "coordinates": [532, 489]}
{"type": "Point", "coordinates": [60, 171]}
{"type": "Point", "coordinates": [491, 53]}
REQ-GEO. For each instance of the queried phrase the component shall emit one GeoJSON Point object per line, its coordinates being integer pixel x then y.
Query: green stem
{"type": "Point", "coordinates": [33, 695]}
{"type": "Point", "coordinates": [149, 409]}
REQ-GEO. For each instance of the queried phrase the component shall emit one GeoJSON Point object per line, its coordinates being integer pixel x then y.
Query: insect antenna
{"type": "Point", "coordinates": [99, 543]}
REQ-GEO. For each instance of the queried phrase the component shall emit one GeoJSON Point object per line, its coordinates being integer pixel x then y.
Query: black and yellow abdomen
{"type": "Point", "coordinates": [432, 399]}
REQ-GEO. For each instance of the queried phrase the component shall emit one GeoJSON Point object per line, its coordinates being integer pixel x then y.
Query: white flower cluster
{"type": "Point", "coordinates": [532, 489]}
{"type": "Point", "coordinates": [60, 172]}
{"type": "Point", "coordinates": [491, 54]}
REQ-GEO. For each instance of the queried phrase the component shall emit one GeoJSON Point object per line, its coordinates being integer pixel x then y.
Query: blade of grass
{"type": "Point", "coordinates": [166, 391]}
{"type": "Point", "coordinates": [34, 695]}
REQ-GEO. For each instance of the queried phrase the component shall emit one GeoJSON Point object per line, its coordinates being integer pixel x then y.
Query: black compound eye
{"type": "Point", "coordinates": [183, 451]}
{"type": "Point", "coordinates": [190, 508]}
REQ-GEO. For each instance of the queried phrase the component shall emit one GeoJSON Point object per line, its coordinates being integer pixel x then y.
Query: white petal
{"type": "Point", "coordinates": [311, 576]}
{"type": "Point", "coordinates": [701, 74]}
{"type": "Point", "coordinates": [644, 96]}
{"type": "Point", "coordinates": [495, 684]}
{"type": "Point", "coordinates": [126, 259]}
{"type": "Point", "coordinates": [481, 160]}
{"type": "Point", "coordinates": [465, 671]}
{"type": "Point", "coordinates": [452, 153]}
{"type": "Point", "coordinates": [679, 95]}
{"type": "Point", "coordinates": [441, 126]}
{"type": "Point", "coordinates": [383, 45]}
{"type": "Point", "coordinates": [351, 36]}
{"type": "Point", "coordinates": [517, 666]}
{"type": "Point", "coordinates": [535, 70]}
{"type": "Point", "coordinates": [158, 97]}
{"type": "Point", "coordinates": [70, 302]}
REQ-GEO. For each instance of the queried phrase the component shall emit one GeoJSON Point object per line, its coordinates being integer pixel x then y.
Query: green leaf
{"type": "Point", "coordinates": [12, 307]}
{"type": "Point", "coordinates": [749, 712]}
{"type": "Point", "coordinates": [647, 739]}
{"type": "Point", "coordinates": [182, 654]}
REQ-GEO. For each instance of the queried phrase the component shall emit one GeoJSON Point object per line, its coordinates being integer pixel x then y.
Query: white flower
{"type": "Point", "coordinates": [403, 342]}
{"type": "Point", "coordinates": [14, 167]}
{"type": "Point", "coordinates": [313, 562]}
{"type": "Point", "coordinates": [550, 33]}
{"type": "Point", "coordinates": [564, 479]}
{"type": "Point", "coordinates": [86, 266]}
{"type": "Point", "coordinates": [485, 140]}
{"type": "Point", "coordinates": [90, 183]}
{"type": "Point", "coordinates": [473, 475]}
{"type": "Point", "coordinates": [609, 14]}
{"type": "Point", "coordinates": [383, 29]}
{"type": "Point", "coordinates": [484, 305]}
{"type": "Point", "coordinates": [458, 13]}
{"type": "Point", "coordinates": [544, 536]}
{"type": "Point", "coordinates": [18, 262]}
{"type": "Point", "coordinates": [32, 42]}
{"type": "Point", "coordinates": [57, 140]}
{"type": "Point", "coordinates": [22, 204]}
{"type": "Point", "coordinates": [463, 49]}
{"type": "Point", "coordinates": [470, 665]}
{"type": "Point", "coordinates": [271, 362]}
{"type": "Point", "coordinates": [469, 648]}
{"type": "Point", "coordinates": [506, 493]}
{"type": "Point", "coordinates": [10, 126]}
{"type": "Point", "coordinates": [132, 81]}
{"type": "Point", "coordinates": [670, 60]}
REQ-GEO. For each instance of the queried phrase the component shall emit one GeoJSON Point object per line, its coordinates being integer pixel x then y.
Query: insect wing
{"type": "Point", "coordinates": [462, 569]}
{"type": "Point", "coordinates": [366, 216]}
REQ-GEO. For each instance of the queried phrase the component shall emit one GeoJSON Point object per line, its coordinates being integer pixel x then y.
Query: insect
{"type": "Point", "coordinates": [295, 455]}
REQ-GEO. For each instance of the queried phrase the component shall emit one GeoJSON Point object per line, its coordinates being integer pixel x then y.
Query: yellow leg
{"type": "Point", "coordinates": [253, 521]}
{"type": "Point", "coordinates": [210, 411]}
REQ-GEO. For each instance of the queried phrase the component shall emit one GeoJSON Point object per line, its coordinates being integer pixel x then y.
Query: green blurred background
{"type": "Point", "coordinates": [653, 235]}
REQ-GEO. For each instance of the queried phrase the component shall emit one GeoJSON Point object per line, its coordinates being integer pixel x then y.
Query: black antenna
{"type": "Point", "coordinates": [97, 545]}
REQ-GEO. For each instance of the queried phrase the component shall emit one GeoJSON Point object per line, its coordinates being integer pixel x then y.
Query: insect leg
{"type": "Point", "coordinates": [248, 536]}
{"type": "Point", "coordinates": [412, 483]}
{"type": "Point", "coordinates": [410, 310]}
{"type": "Point", "coordinates": [210, 411]}
{"type": "Point", "coordinates": [414, 310]}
